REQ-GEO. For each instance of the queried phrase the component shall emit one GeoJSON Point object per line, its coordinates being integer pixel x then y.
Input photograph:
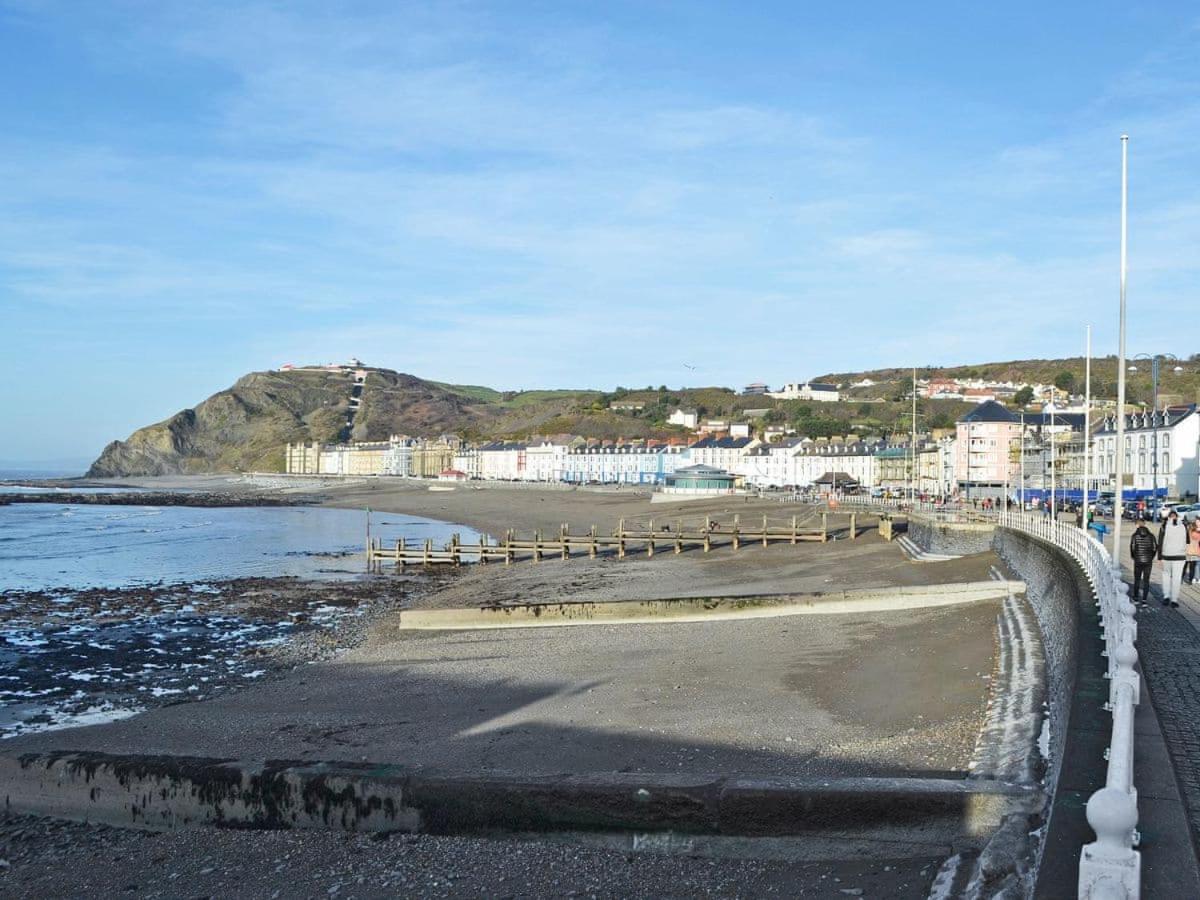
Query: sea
{"type": "Point", "coordinates": [85, 653]}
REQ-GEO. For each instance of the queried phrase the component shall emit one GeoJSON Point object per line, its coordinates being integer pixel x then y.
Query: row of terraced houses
{"type": "Point", "coordinates": [992, 450]}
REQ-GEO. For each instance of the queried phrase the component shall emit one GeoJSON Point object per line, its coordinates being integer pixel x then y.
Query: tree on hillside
{"type": "Point", "coordinates": [1024, 396]}
{"type": "Point", "coordinates": [1065, 381]}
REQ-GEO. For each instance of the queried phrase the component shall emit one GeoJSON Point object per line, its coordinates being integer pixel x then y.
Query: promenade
{"type": "Point", "coordinates": [1166, 752]}
{"type": "Point", "coordinates": [1170, 654]}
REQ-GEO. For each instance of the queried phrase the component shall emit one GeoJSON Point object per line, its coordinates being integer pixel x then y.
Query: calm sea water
{"type": "Point", "coordinates": [48, 545]}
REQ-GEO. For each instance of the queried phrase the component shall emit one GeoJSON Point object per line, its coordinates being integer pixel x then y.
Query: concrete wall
{"type": "Point", "coordinates": [1056, 588]}
{"type": "Point", "coordinates": [950, 538]}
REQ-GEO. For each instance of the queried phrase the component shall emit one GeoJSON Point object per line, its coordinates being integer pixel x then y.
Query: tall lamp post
{"type": "Point", "coordinates": [1155, 358]}
{"type": "Point", "coordinates": [1119, 475]}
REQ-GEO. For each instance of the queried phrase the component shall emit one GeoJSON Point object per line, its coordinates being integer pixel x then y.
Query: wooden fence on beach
{"type": "Point", "coordinates": [648, 538]}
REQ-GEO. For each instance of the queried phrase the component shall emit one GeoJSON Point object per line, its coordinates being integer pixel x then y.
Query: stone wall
{"type": "Point", "coordinates": [949, 538]}
{"type": "Point", "coordinates": [1055, 587]}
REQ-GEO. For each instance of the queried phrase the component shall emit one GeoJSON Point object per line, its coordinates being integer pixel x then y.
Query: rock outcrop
{"type": "Point", "coordinates": [247, 426]}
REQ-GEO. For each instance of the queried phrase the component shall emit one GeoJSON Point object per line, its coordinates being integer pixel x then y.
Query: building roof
{"type": "Point", "coordinates": [724, 443]}
{"type": "Point", "coordinates": [702, 471]}
{"type": "Point", "coordinates": [838, 477]}
{"type": "Point", "coordinates": [1148, 421]}
{"type": "Point", "coordinates": [1075, 420]}
{"type": "Point", "coordinates": [990, 411]}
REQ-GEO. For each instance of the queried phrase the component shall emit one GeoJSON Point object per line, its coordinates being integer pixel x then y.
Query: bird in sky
{"type": "Point", "coordinates": [686, 366]}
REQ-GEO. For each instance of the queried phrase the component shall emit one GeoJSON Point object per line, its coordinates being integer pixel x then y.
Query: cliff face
{"type": "Point", "coordinates": [247, 426]}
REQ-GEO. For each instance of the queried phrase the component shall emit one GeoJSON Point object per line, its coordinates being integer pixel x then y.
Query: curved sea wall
{"type": "Point", "coordinates": [949, 538]}
{"type": "Point", "coordinates": [1064, 604]}
{"type": "Point", "coordinates": [1058, 592]}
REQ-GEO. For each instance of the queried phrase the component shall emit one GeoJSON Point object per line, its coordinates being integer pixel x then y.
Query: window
{"type": "Point", "coordinates": [1166, 462]}
{"type": "Point", "coordinates": [1142, 442]}
{"type": "Point", "coordinates": [1164, 441]}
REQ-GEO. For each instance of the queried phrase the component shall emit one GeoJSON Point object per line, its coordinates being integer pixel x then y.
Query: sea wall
{"type": "Point", "coordinates": [949, 538]}
{"type": "Point", "coordinates": [1056, 589]}
{"type": "Point", "coordinates": [1063, 601]}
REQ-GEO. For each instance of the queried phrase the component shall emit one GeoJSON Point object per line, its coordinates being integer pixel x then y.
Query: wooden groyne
{"type": "Point", "coordinates": [647, 538]}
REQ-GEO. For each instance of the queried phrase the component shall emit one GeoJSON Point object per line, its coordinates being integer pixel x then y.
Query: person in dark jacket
{"type": "Point", "coordinates": [1142, 549]}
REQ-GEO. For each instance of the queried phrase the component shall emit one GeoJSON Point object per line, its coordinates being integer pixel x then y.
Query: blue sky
{"type": "Point", "coordinates": [575, 194]}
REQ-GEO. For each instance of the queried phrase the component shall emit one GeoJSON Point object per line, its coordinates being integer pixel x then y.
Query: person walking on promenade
{"type": "Point", "coordinates": [1142, 549]}
{"type": "Point", "coordinates": [1172, 550]}
{"type": "Point", "coordinates": [1193, 552]}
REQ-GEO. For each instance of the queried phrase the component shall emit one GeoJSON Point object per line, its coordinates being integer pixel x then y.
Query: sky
{"type": "Point", "coordinates": [576, 194]}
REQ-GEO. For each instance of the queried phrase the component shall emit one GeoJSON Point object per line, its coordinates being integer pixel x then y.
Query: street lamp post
{"type": "Point", "coordinates": [1118, 497]}
{"type": "Point", "coordinates": [1087, 427]}
{"type": "Point", "coordinates": [1022, 459]}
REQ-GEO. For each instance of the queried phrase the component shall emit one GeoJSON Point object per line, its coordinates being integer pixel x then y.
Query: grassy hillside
{"type": "Point", "coordinates": [1182, 386]}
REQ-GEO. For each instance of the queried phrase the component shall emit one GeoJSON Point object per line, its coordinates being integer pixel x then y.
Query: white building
{"type": "Point", "coordinates": [771, 465]}
{"type": "Point", "coordinates": [466, 460]}
{"type": "Point", "coordinates": [720, 453]}
{"type": "Point", "coordinates": [687, 418]}
{"type": "Point", "coordinates": [546, 461]}
{"type": "Point", "coordinates": [808, 390]}
{"type": "Point", "coordinates": [397, 459]}
{"type": "Point", "coordinates": [857, 459]}
{"type": "Point", "coordinates": [502, 461]}
{"type": "Point", "coordinates": [1159, 446]}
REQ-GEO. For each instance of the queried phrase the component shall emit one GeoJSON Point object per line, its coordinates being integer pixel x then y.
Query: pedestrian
{"type": "Point", "coordinates": [1172, 550]}
{"type": "Point", "coordinates": [1193, 551]}
{"type": "Point", "coordinates": [1142, 549]}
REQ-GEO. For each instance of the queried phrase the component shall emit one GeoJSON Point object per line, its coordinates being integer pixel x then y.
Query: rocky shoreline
{"type": "Point", "coordinates": [76, 657]}
{"type": "Point", "coordinates": [163, 498]}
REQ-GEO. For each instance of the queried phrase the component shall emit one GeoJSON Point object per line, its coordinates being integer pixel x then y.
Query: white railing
{"type": "Point", "coordinates": [1110, 868]}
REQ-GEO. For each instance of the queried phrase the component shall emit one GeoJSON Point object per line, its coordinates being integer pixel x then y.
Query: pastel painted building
{"type": "Point", "coordinates": [622, 463]}
{"type": "Point", "coordinates": [984, 443]}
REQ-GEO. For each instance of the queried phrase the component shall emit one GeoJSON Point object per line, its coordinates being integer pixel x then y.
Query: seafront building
{"type": "Point", "coordinates": [1160, 446]}
{"type": "Point", "coordinates": [985, 440]}
{"type": "Point", "coordinates": [624, 463]}
{"type": "Point", "coordinates": [991, 450]}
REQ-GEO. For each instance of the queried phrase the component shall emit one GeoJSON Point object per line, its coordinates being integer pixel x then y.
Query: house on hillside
{"type": "Point", "coordinates": [686, 418]}
{"type": "Point", "coordinates": [808, 390]}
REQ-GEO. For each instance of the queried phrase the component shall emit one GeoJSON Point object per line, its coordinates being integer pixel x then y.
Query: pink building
{"type": "Point", "coordinates": [941, 386]}
{"type": "Point", "coordinates": [983, 451]}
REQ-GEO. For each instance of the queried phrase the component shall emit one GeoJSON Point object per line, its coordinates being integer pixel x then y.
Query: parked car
{"type": "Point", "coordinates": [1189, 512]}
